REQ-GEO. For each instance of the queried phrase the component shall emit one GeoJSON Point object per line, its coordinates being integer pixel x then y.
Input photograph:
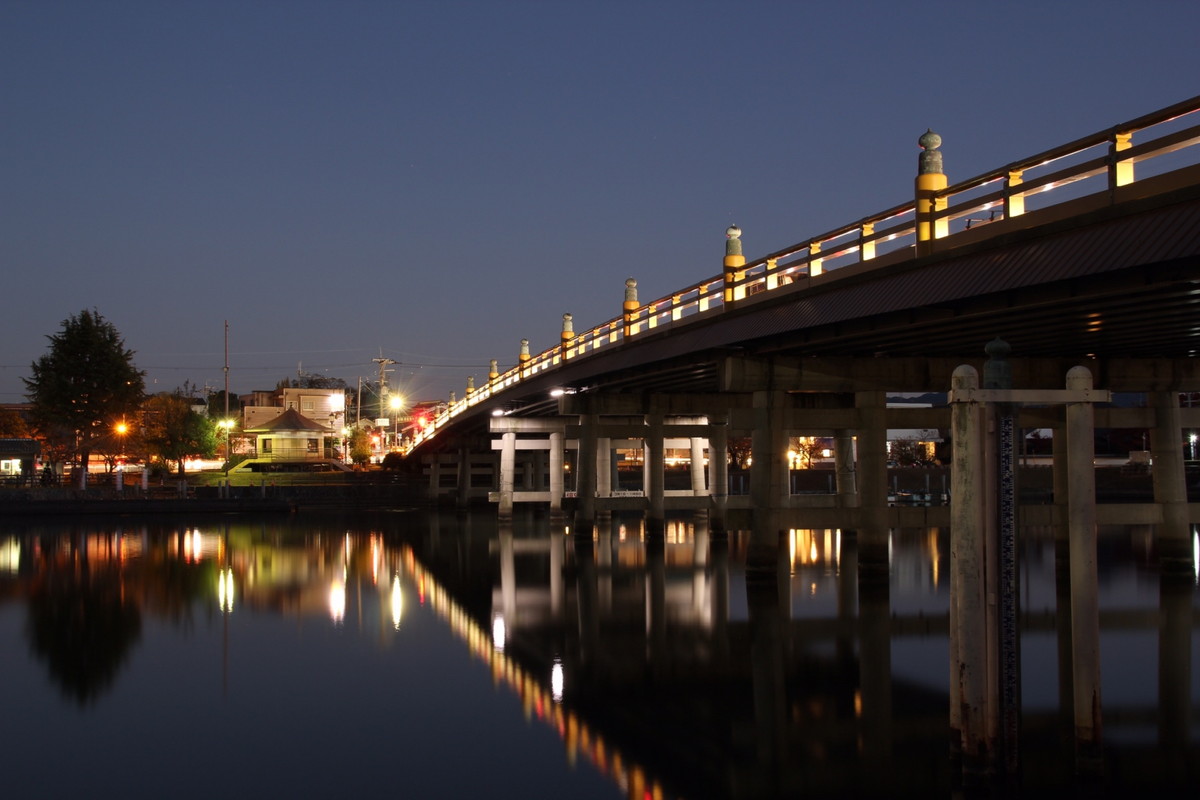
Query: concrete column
{"type": "Point", "coordinates": [656, 478]}
{"type": "Point", "coordinates": [1085, 609]}
{"type": "Point", "coordinates": [768, 445]}
{"type": "Point", "coordinates": [872, 482]}
{"type": "Point", "coordinates": [1170, 483]}
{"type": "Point", "coordinates": [697, 467]}
{"type": "Point", "coordinates": [464, 477]}
{"type": "Point", "coordinates": [435, 476]}
{"type": "Point", "coordinates": [603, 467]}
{"type": "Point", "coordinates": [508, 464]}
{"type": "Point", "coordinates": [585, 477]}
{"type": "Point", "coordinates": [968, 563]}
{"type": "Point", "coordinates": [843, 465]}
{"type": "Point", "coordinates": [1058, 453]}
{"type": "Point", "coordinates": [556, 473]}
{"type": "Point", "coordinates": [718, 469]}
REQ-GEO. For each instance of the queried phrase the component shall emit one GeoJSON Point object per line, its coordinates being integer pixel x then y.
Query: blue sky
{"type": "Point", "coordinates": [433, 181]}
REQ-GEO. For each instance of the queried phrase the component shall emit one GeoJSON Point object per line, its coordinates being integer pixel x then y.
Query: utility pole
{"type": "Point", "coordinates": [225, 422]}
{"type": "Point", "coordinates": [383, 387]}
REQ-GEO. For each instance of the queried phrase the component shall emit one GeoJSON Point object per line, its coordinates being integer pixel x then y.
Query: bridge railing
{"type": "Point", "coordinates": [1093, 166]}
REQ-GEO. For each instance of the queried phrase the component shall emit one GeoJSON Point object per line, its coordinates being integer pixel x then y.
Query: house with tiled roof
{"type": "Point", "coordinates": [291, 436]}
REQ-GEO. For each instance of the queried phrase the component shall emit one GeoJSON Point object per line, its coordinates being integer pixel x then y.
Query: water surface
{"type": "Point", "coordinates": [442, 655]}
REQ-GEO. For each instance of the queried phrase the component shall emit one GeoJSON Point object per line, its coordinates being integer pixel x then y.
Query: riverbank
{"type": "Point", "coordinates": [185, 498]}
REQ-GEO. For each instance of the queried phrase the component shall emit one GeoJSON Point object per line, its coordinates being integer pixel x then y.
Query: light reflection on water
{"type": "Point", "coordinates": [621, 667]}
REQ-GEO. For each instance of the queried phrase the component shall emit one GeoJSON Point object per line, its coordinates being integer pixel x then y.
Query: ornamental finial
{"type": "Point", "coordinates": [931, 157]}
{"type": "Point", "coordinates": [733, 241]}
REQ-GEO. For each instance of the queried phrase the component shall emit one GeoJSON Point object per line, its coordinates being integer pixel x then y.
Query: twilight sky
{"type": "Point", "coordinates": [431, 181]}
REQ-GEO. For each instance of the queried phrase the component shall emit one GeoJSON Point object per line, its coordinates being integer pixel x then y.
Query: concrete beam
{"type": "Point", "coordinates": [916, 374]}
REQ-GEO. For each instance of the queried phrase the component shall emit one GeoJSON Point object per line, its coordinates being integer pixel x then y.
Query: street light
{"type": "Point", "coordinates": [395, 402]}
{"type": "Point", "coordinates": [227, 426]}
{"type": "Point", "coordinates": [121, 429]}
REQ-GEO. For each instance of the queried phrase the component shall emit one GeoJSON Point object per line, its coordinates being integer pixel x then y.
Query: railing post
{"type": "Point", "coordinates": [866, 250]}
{"type": "Point", "coordinates": [734, 261]}
{"type": "Point", "coordinates": [930, 181]}
{"type": "Point", "coordinates": [523, 356]}
{"type": "Point", "coordinates": [568, 334]}
{"type": "Point", "coordinates": [815, 264]}
{"type": "Point", "coordinates": [470, 386]}
{"type": "Point", "coordinates": [1120, 172]}
{"type": "Point", "coordinates": [630, 306]}
{"type": "Point", "coordinates": [1014, 202]}
{"type": "Point", "coordinates": [493, 371]}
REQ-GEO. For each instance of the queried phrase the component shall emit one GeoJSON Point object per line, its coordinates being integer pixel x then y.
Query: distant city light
{"type": "Point", "coordinates": [337, 600]}
{"type": "Point", "coordinates": [397, 602]}
{"type": "Point", "coordinates": [557, 680]}
{"type": "Point", "coordinates": [225, 589]}
{"type": "Point", "coordinates": [499, 633]}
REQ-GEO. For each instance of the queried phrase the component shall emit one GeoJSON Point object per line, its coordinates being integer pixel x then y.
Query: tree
{"type": "Point", "coordinates": [360, 446]}
{"type": "Point", "coordinates": [12, 426]}
{"type": "Point", "coordinates": [907, 451]}
{"type": "Point", "coordinates": [807, 449]}
{"type": "Point", "coordinates": [739, 451]}
{"type": "Point", "coordinates": [175, 431]}
{"type": "Point", "coordinates": [84, 385]}
{"type": "Point", "coordinates": [216, 405]}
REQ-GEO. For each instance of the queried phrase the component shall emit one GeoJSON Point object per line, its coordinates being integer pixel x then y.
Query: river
{"type": "Point", "coordinates": [435, 654]}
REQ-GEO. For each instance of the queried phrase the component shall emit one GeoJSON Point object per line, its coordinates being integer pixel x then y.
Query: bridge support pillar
{"type": "Point", "coordinates": [508, 467]}
{"type": "Point", "coordinates": [656, 520]}
{"type": "Point", "coordinates": [604, 483]}
{"type": "Point", "coordinates": [768, 447]}
{"type": "Point", "coordinates": [872, 485]}
{"type": "Point", "coordinates": [463, 493]}
{"type": "Point", "coordinates": [718, 469]}
{"type": "Point", "coordinates": [970, 665]}
{"type": "Point", "coordinates": [1085, 607]}
{"type": "Point", "coordinates": [696, 467]}
{"type": "Point", "coordinates": [1170, 483]}
{"type": "Point", "coordinates": [556, 472]}
{"type": "Point", "coordinates": [843, 462]}
{"type": "Point", "coordinates": [585, 477]}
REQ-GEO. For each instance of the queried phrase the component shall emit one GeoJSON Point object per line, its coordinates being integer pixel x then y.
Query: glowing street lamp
{"type": "Point", "coordinates": [395, 403]}
{"type": "Point", "coordinates": [227, 426]}
{"type": "Point", "coordinates": [121, 429]}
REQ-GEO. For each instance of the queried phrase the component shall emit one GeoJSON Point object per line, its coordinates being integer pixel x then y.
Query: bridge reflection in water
{"type": "Point", "coordinates": [724, 667]}
{"type": "Point", "coordinates": [666, 662]}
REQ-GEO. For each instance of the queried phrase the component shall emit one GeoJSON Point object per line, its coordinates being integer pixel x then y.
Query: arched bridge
{"type": "Point", "coordinates": [1085, 254]}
